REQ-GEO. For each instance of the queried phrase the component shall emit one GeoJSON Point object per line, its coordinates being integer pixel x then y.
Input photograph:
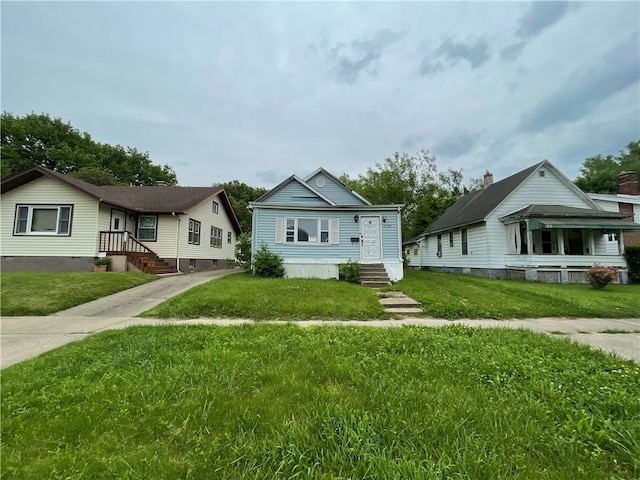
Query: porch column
{"type": "Point", "coordinates": [592, 243]}
{"type": "Point", "coordinates": [529, 239]}
{"type": "Point", "coordinates": [621, 242]}
{"type": "Point", "coordinates": [561, 241]}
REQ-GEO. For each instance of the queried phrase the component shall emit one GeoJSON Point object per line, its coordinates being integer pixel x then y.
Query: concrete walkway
{"type": "Point", "coordinates": [27, 337]}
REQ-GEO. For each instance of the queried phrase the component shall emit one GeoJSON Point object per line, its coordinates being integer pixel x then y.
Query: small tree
{"type": "Point", "coordinates": [243, 251]}
{"type": "Point", "coordinates": [267, 263]}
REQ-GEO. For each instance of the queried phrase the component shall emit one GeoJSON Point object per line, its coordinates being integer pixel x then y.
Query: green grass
{"type": "Point", "coordinates": [43, 293]}
{"type": "Point", "coordinates": [279, 401]}
{"type": "Point", "coordinates": [447, 295]}
{"type": "Point", "coordinates": [246, 296]}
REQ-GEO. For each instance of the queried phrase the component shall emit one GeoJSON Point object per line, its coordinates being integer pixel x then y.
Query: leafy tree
{"type": "Point", "coordinates": [243, 250]}
{"type": "Point", "coordinates": [416, 182]}
{"type": "Point", "coordinates": [38, 139]}
{"type": "Point", "coordinates": [240, 194]}
{"type": "Point", "coordinates": [267, 263]}
{"type": "Point", "coordinates": [598, 173]}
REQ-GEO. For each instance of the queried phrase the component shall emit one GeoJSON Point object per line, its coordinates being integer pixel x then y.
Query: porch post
{"type": "Point", "coordinates": [592, 243]}
{"type": "Point", "coordinates": [621, 242]}
{"type": "Point", "coordinates": [529, 239]}
{"type": "Point", "coordinates": [561, 241]}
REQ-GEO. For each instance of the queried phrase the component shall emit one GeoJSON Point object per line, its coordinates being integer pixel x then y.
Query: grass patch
{"type": "Point", "coordinates": [280, 401]}
{"type": "Point", "coordinates": [247, 296]}
{"type": "Point", "coordinates": [43, 293]}
{"type": "Point", "coordinates": [447, 295]}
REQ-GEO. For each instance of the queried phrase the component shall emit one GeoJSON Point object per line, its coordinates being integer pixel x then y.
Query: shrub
{"type": "Point", "coordinates": [632, 256]}
{"type": "Point", "coordinates": [102, 261]}
{"type": "Point", "coordinates": [243, 251]}
{"type": "Point", "coordinates": [349, 271]}
{"type": "Point", "coordinates": [267, 264]}
{"type": "Point", "coordinates": [600, 276]}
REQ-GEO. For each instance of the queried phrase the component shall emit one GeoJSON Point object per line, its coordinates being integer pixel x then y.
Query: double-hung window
{"type": "Point", "coordinates": [43, 220]}
{"type": "Point", "coordinates": [216, 237]}
{"type": "Point", "coordinates": [194, 232]}
{"type": "Point", "coordinates": [147, 228]}
{"type": "Point", "coordinates": [465, 242]}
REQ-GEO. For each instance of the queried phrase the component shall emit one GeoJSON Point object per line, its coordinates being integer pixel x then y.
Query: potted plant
{"type": "Point", "coordinates": [101, 264]}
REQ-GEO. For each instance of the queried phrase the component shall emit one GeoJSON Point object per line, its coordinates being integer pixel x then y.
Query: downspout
{"type": "Point", "coordinates": [177, 242]}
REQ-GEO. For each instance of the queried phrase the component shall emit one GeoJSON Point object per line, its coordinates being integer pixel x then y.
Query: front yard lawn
{"type": "Point", "coordinates": [448, 295]}
{"type": "Point", "coordinates": [246, 296]}
{"type": "Point", "coordinates": [281, 401]}
{"type": "Point", "coordinates": [44, 293]}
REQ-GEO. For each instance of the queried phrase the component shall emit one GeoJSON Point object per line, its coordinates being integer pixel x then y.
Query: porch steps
{"type": "Point", "coordinates": [374, 275]}
{"type": "Point", "coordinates": [162, 268]}
{"type": "Point", "coordinates": [399, 303]}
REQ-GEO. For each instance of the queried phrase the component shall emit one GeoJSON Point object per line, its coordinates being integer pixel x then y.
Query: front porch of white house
{"type": "Point", "coordinates": [557, 244]}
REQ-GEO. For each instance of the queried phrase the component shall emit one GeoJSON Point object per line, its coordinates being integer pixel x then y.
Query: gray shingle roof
{"type": "Point", "coordinates": [475, 206]}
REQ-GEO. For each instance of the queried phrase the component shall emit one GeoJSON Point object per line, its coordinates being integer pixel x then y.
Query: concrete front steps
{"type": "Point", "coordinates": [374, 275]}
{"type": "Point", "coordinates": [398, 303]}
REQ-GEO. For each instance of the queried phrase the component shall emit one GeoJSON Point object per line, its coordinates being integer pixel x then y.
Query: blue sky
{"type": "Point", "coordinates": [257, 92]}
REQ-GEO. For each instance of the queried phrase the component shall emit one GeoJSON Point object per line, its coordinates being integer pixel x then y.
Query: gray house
{"type": "Point", "coordinates": [535, 224]}
{"type": "Point", "coordinates": [317, 222]}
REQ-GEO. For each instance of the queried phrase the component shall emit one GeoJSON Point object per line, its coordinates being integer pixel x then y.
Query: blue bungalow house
{"type": "Point", "coordinates": [317, 222]}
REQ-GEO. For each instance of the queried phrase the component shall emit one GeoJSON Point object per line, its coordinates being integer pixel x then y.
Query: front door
{"type": "Point", "coordinates": [118, 220]}
{"type": "Point", "coordinates": [370, 239]}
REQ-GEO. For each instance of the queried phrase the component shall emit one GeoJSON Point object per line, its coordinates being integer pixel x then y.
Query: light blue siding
{"type": "Point", "coordinates": [294, 193]}
{"type": "Point", "coordinates": [346, 249]}
{"type": "Point", "coordinates": [334, 191]}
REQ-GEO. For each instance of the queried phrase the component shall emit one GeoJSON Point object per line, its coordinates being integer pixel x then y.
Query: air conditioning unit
{"type": "Point", "coordinates": [439, 254]}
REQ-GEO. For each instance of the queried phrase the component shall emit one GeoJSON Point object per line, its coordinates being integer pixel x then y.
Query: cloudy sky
{"type": "Point", "coordinates": [259, 91]}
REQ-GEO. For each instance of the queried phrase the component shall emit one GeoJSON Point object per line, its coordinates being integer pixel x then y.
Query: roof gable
{"type": "Point", "coordinates": [476, 206]}
{"type": "Point", "coordinates": [333, 188]}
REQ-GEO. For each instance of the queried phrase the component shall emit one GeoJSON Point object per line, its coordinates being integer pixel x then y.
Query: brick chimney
{"type": "Point", "coordinates": [488, 178]}
{"type": "Point", "coordinates": [627, 183]}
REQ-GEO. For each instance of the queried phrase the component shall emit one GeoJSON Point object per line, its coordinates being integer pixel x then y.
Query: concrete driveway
{"type": "Point", "coordinates": [27, 337]}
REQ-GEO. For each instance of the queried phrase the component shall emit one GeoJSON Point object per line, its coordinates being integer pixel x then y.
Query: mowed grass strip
{"type": "Point", "coordinates": [246, 296]}
{"type": "Point", "coordinates": [448, 295]}
{"type": "Point", "coordinates": [281, 401]}
{"type": "Point", "coordinates": [43, 293]}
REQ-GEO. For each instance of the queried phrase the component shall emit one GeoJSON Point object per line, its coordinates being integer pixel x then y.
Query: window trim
{"type": "Point", "coordinates": [193, 237]}
{"type": "Point", "coordinates": [292, 235]}
{"type": "Point", "coordinates": [215, 241]}
{"type": "Point", "coordinates": [155, 228]}
{"type": "Point", "coordinates": [28, 221]}
{"type": "Point", "coordinates": [214, 206]}
{"type": "Point", "coordinates": [464, 241]}
{"type": "Point", "coordinates": [229, 238]}
{"type": "Point", "coordinates": [451, 239]}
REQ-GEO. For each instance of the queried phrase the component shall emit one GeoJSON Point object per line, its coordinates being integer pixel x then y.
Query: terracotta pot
{"type": "Point", "coordinates": [100, 268]}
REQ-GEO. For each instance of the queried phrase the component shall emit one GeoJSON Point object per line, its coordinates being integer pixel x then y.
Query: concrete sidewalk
{"type": "Point", "coordinates": [27, 337]}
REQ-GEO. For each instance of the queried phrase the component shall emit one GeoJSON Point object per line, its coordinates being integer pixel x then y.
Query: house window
{"type": "Point", "coordinates": [216, 237]}
{"type": "Point", "coordinates": [307, 230]}
{"type": "Point", "coordinates": [415, 251]}
{"type": "Point", "coordinates": [450, 239]}
{"type": "Point", "coordinates": [194, 232]}
{"type": "Point", "coordinates": [192, 263]}
{"type": "Point", "coordinates": [147, 227]}
{"type": "Point", "coordinates": [547, 244]}
{"type": "Point", "coordinates": [465, 244]}
{"type": "Point", "coordinates": [439, 251]}
{"type": "Point", "coordinates": [214, 207]}
{"type": "Point", "coordinates": [613, 237]}
{"type": "Point", "coordinates": [228, 237]}
{"type": "Point", "coordinates": [43, 220]}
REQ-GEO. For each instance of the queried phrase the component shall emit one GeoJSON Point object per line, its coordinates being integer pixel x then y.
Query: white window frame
{"type": "Point", "coordinates": [464, 241]}
{"type": "Point", "coordinates": [214, 206]}
{"type": "Point", "coordinates": [323, 231]}
{"type": "Point", "coordinates": [215, 239]}
{"type": "Point", "coordinates": [23, 222]}
{"type": "Point", "coordinates": [194, 232]}
{"type": "Point", "coordinates": [155, 228]}
{"type": "Point", "coordinates": [229, 238]}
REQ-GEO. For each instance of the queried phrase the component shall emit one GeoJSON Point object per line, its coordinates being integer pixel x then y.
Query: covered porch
{"type": "Point", "coordinates": [557, 244]}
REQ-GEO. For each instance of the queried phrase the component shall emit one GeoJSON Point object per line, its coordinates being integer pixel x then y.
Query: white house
{"type": "Point", "coordinates": [316, 223]}
{"type": "Point", "coordinates": [55, 222]}
{"type": "Point", "coordinates": [535, 224]}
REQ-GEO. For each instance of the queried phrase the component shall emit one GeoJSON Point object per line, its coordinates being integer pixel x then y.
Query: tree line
{"type": "Point", "coordinates": [413, 180]}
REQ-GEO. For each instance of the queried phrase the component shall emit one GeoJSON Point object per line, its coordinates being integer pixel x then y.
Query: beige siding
{"type": "Point", "coordinates": [166, 240]}
{"type": "Point", "coordinates": [204, 214]}
{"type": "Point", "coordinates": [84, 223]}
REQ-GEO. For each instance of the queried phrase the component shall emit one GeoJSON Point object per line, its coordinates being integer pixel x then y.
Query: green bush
{"type": "Point", "coordinates": [349, 271]}
{"type": "Point", "coordinates": [243, 251]}
{"type": "Point", "coordinates": [267, 264]}
{"type": "Point", "coordinates": [632, 256]}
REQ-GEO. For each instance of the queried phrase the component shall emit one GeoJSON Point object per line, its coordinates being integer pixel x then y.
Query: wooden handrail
{"type": "Point", "coordinates": [124, 243]}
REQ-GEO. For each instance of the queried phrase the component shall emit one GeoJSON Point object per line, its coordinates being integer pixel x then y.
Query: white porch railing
{"type": "Point", "coordinates": [563, 261]}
